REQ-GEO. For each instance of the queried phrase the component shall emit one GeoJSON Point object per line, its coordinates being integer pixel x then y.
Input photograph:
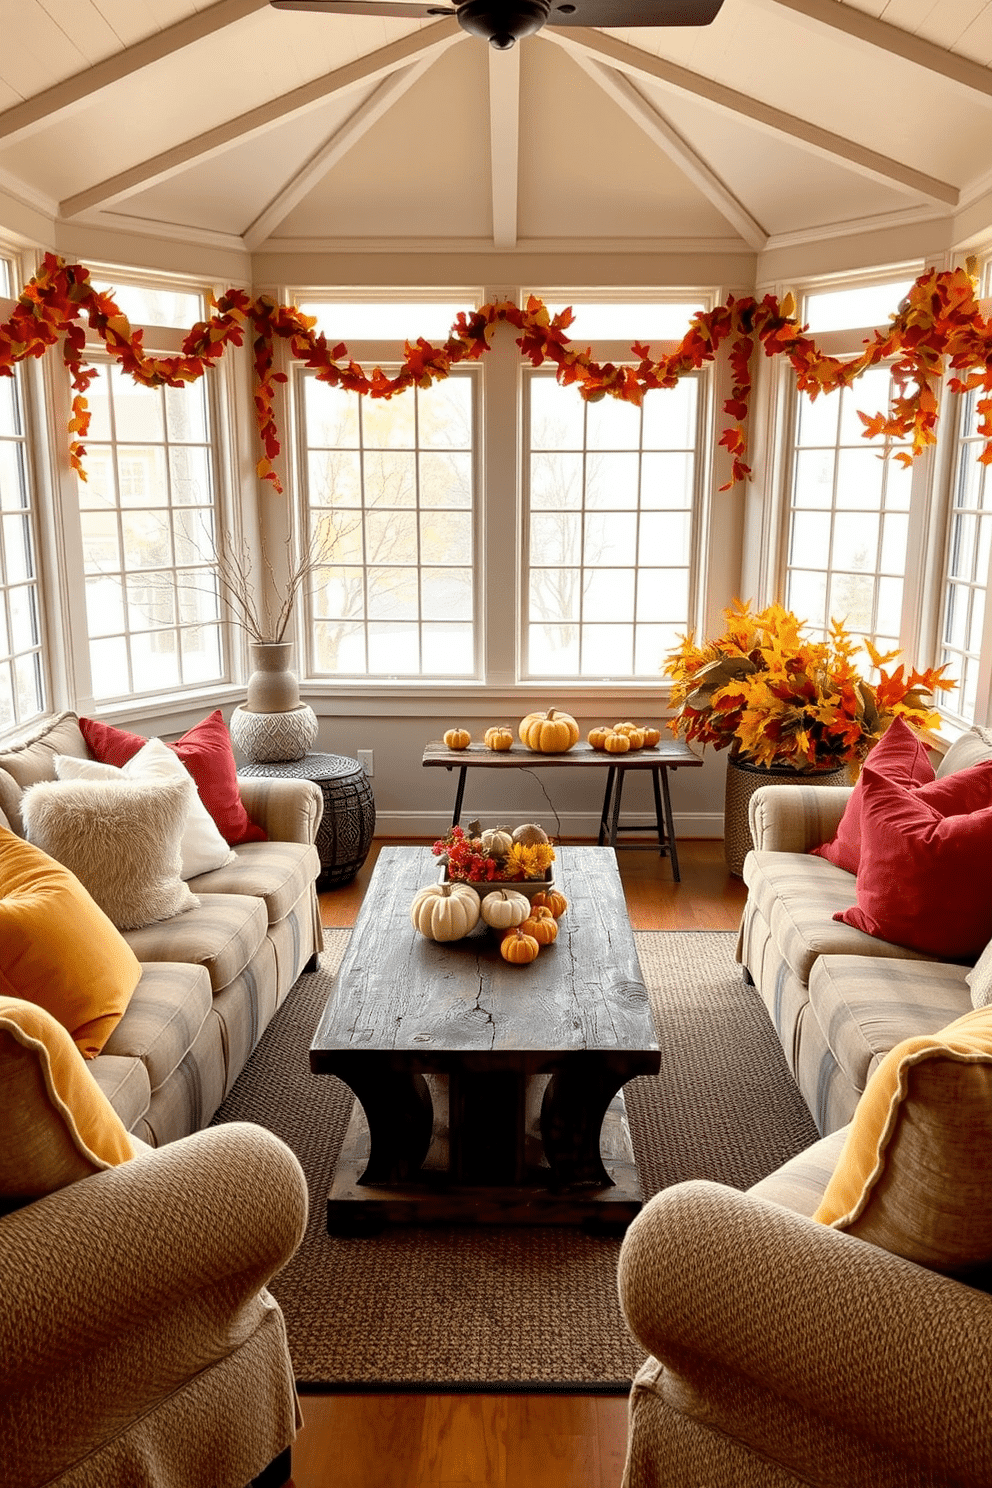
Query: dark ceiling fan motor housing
{"type": "Point", "coordinates": [503, 24]}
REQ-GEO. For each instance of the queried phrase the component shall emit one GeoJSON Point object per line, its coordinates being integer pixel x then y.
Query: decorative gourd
{"type": "Point", "coordinates": [652, 736]}
{"type": "Point", "coordinates": [517, 948]}
{"type": "Point", "coordinates": [499, 738]}
{"type": "Point", "coordinates": [552, 899]}
{"type": "Point", "coordinates": [504, 908]}
{"type": "Point", "coordinates": [458, 738]}
{"type": "Point", "coordinates": [497, 841]}
{"type": "Point", "coordinates": [549, 733]}
{"type": "Point", "coordinates": [445, 911]}
{"type": "Point", "coordinates": [617, 742]}
{"type": "Point", "coordinates": [542, 924]}
{"type": "Point", "coordinates": [529, 833]}
{"type": "Point", "coordinates": [636, 737]}
{"type": "Point", "coordinates": [597, 736]}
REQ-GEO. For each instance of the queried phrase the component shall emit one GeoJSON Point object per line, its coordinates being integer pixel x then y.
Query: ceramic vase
{"type": "Point", "coordinates": [272, 724]}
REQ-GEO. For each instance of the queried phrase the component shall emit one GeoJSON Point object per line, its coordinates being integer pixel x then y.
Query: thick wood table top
{"type": "Point", "coordinates": [672, 753]}
{"type": "Point", "coordinates": [422, 1001]}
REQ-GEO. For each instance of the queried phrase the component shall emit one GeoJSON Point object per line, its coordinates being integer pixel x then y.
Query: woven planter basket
{"type": "Point", "coordinates": [742, 782]}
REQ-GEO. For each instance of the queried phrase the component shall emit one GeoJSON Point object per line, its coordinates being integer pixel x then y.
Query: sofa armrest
{"type": "Point", "coordinates": [744, 1300]}
{"type": "Point", "coordinates": [795, 818]}
{"type": "Point", "coordinates": [287, 810]}
{"type": "Point", "coordinates": [171, 1246]}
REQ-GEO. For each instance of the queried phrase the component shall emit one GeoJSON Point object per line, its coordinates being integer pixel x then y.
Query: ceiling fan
{"type": "Point", "coordinates": [503, 22]}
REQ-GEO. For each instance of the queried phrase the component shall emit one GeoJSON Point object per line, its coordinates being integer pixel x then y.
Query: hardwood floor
{"type": "Point", "coordinates": [503, 1441]}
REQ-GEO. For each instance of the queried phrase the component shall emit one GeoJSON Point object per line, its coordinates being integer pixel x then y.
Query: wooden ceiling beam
{"type": "Point", "coordinates": [668, 139]}
{"type": "Point", "coordinates": [428, 43]}
{"type": "Point", "coordinates": [504, 144]}
{"type": "Point", "coordinates": [831, 14]}
{"type": "Point", "coordinates": [644, 66]}
{"type": "Point", "coordinates": [73, 92]}
{"type": "Point", "coordinates": [388, 92]}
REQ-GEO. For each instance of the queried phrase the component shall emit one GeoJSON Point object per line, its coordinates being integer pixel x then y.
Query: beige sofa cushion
{"type": "Point", "coordinates": [170, 1005]}
{"type": "Point", "coordinates": [865, 1006]}
{"type": "Point", "coordinates": [222, 935]}
{"type": "Point", "coordinates": [33, 759]}
{"type": "Point", "coordinates": [797, 896]}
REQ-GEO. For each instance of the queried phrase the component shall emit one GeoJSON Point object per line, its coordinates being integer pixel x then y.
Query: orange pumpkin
{"type": "Point", "coordinates": [549, 733]}
{"type": "Point", "coordinates": [458, 738]}
{"type": "Point", "coordinates": [617, 742]}
{"type": "Point", "coordinates": [541, 924]}
{"type": "Point", "coordinates": [499, 738]}
{"type": "Point", "coordinates": [518, 948]}
{"type": "Point", "coordinates": [597, 736]}
{"type": "Point", "coordinates": [652, 736]}
{"type": "Point", "coordinates": [552, 899]}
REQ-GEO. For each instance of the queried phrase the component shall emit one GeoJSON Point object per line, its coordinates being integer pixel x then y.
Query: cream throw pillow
{"type": "Point", "coordinates": [120, 839]}
{"type": "Point", "coordinates": [915, 1173]}
{"type": "Point", "coordinates": [58, 1126]}
{"type": "Point", "coordinates": [202, 847]}
{"type": "Point", "coordinates": [979, 979]}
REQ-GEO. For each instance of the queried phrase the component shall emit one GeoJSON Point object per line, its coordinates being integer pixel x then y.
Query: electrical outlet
{"type": "Point", "coordinates": [366, 761]}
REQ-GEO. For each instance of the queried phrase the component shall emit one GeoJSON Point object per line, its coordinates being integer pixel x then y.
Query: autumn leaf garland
{"type": "Point", "coordinates": [938, 325]}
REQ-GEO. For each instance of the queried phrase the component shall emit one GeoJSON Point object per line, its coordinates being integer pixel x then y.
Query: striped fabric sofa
{"type": "Point", "coordinates": [783, 1351]}
{"type": "Point", "coordinates": [839, 999]}
{"type": "Point", "coordinates": [212, 977]}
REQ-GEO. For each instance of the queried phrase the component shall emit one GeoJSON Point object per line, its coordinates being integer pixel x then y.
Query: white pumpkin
{"type": "Point", "coordinates": [497, 841]}
{"type": "Point", "coordinates": [445, 911]}
{"type": "Point", "coordinates": [504, 908]}
{"type": "Point", "coordinates": [529, 834]}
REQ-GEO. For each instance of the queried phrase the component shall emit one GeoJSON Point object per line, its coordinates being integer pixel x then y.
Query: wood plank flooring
{"type": "Point", "coordinates": [503, 1441]}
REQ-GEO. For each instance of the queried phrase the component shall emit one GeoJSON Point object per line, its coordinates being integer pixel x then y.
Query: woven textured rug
{"type": "Point", "coordinates": [474, 1308]}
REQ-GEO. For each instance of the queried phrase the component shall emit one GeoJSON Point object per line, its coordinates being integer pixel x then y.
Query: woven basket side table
{"type": "Point", "coordinates": [348, 823]}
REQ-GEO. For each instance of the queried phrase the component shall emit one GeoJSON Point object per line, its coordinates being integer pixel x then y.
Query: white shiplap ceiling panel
{"type": "Point", "coordinates": [788, 117]}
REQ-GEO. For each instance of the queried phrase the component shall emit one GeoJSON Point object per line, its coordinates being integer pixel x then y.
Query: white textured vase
{"type": "Point", "coordinates": [272, 724]}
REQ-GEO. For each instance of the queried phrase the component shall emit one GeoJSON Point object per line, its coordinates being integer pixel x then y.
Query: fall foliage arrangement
{"type": "Point", "coordinates": [938, 325]}
{"type": "Point", "coordinates": [777, 698]}
{"type": "Point", "coordinates": [497, 855]}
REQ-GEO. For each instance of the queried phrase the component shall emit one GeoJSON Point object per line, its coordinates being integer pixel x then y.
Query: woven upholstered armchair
{"type": "Point", "coordinates": [785, 1353]}
{"type": "Point", "coordinates": [139, 1347]}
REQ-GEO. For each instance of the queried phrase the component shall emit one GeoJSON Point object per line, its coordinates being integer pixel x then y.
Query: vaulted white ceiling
{"type": "Point", "coordinates": [277, 131]}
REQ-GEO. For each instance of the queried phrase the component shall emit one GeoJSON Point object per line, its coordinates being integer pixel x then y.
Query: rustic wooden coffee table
{"type": "Point", "coordinates": [487, 1093]}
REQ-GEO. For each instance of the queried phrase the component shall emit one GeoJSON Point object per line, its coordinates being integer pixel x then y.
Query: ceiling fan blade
{"type": "Point", "coordinates": [633, 12]}
{"type": "Point", "coordinates": [404, 8]}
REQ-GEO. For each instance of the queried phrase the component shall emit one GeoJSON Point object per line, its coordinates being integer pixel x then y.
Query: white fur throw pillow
{"type": "Point", "coordinates": [202, 847]}
{"type": "Point", "coordinates": [120, 839]}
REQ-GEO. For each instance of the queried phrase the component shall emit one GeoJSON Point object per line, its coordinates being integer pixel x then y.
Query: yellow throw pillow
{"type": "Point", "coordinates": [58, 949]}
{"type": "Point", "coordinates": [915, 1174]}
{"type": "Point", "coordinates": [58, 1126]}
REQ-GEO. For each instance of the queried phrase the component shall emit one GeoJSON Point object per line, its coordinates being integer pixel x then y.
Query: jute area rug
{"type": "Point", "coordinates": [474, 1308]}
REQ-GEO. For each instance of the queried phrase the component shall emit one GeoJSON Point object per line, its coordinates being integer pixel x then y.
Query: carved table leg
{"type": "Point", "coordinates": [575, 1103]}
{"type": "Point", "coordinates": [400, 1118]}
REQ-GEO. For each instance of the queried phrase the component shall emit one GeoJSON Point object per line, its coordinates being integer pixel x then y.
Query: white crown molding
{"type": "Point", "coordinates": [571, 246]}
{"type": "Point", "coordinates": [856, 226]}
{"type": "Point", "coordinates": [149, 227]}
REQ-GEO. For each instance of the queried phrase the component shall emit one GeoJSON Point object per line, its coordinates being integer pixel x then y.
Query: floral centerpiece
{"type": "Point", "coordinates": [496, 856]}
{"type": "Point", "coordinates": [778, 699]}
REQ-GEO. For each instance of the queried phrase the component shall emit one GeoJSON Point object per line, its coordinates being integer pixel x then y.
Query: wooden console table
{"type": "Point", "coordinates": [669, 754]}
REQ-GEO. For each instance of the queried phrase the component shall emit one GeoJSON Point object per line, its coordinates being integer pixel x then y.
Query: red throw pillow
{"type": "Point", "coordinates": [898, 755]}
{"type": "Point", "coordinates": [923, 880]}
{"type": "Point", "coordinates": [206, 752]}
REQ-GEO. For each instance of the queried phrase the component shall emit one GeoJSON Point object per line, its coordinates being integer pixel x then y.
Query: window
{"type": "Point", "coordinates": [967, 569]}
{"type": "Point", "coordinates": [22, 671]}
{"type": "Point", "coordinates": [391, 484]}
{"type": "Point", "coordinates": [609, 529]}
{"type": "Point", "coordinates": [849, 499]}
{"type": "Point", "coordinates": [147, 514]}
